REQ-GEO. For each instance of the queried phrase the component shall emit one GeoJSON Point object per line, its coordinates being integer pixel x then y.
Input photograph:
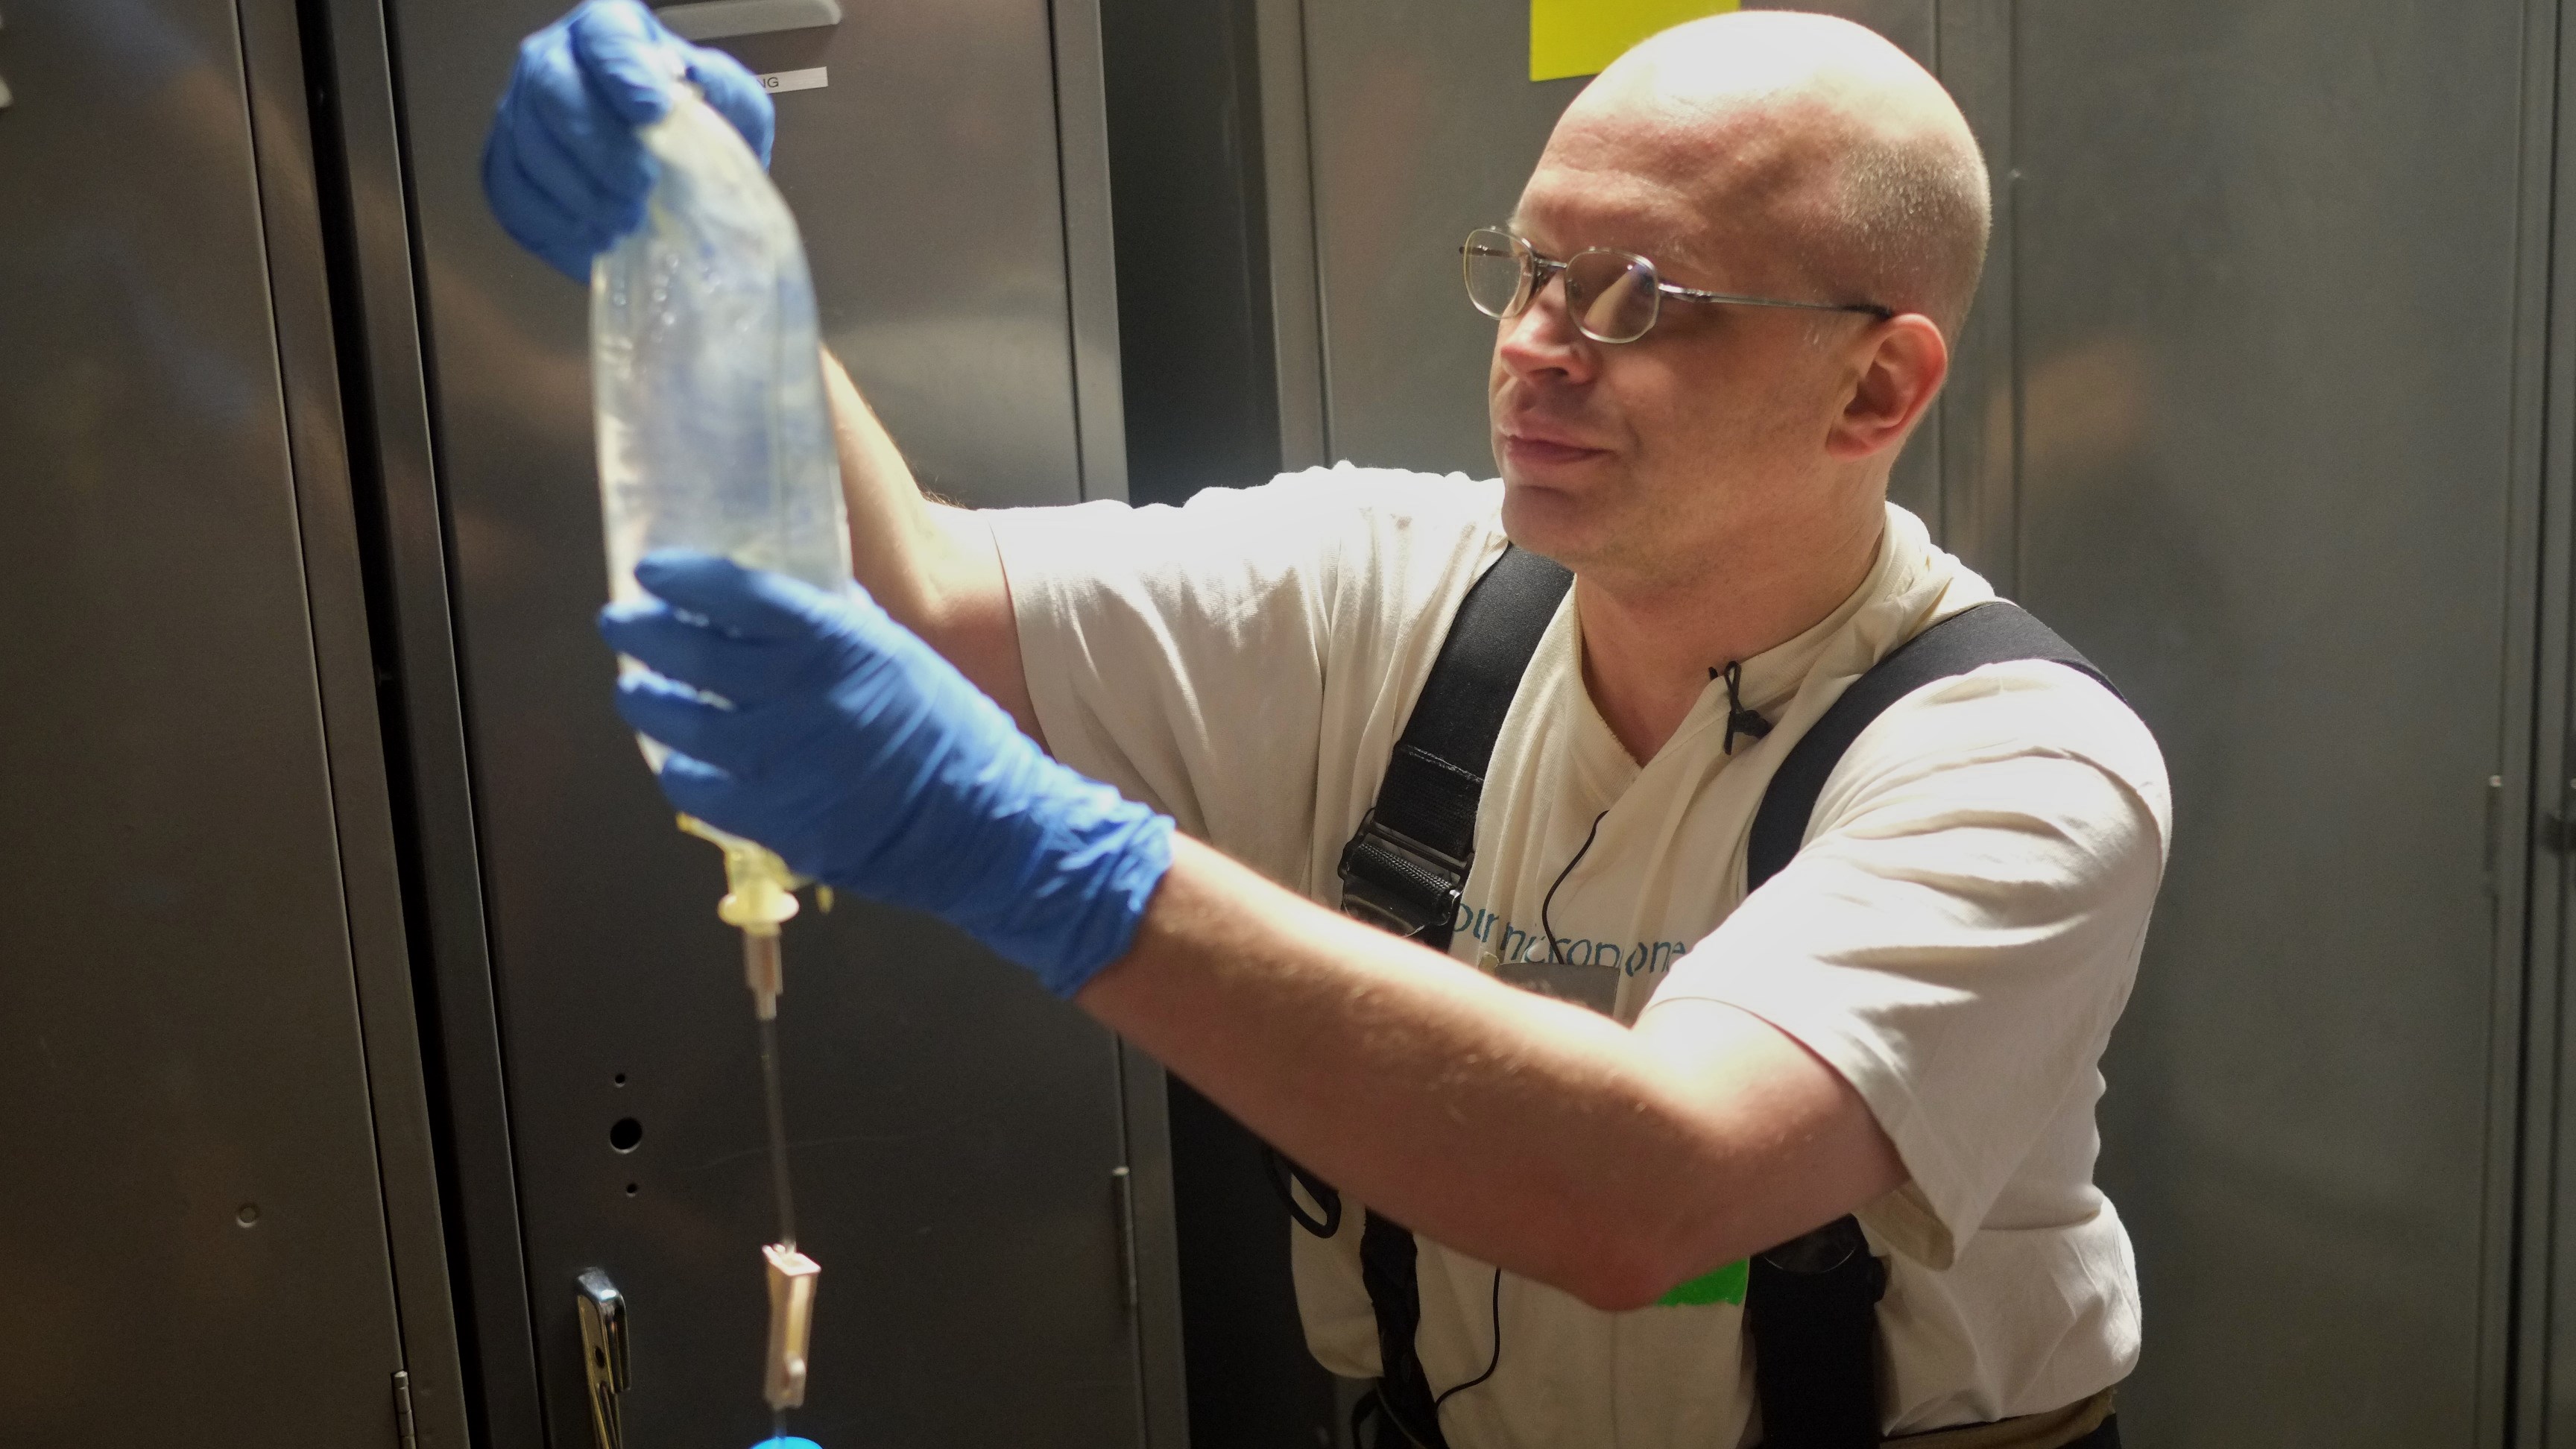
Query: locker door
{"type": "Point", "coordinates": [2266, 312]}
{"type": "Point", "coordinates": [956, 1131]}
{"type": "Point", "coordinates": [193, 1244]}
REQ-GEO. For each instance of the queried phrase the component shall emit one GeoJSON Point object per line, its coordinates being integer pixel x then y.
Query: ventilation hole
{"type": "Point", "coordinates": [625, 1134]}
{"type": "Point", "coordinates": [621, 1079]}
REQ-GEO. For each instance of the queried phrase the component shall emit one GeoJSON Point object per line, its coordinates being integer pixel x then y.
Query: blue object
{"type": "Point", "coordinates": [562, 168]}
{"type": "Point", "coordinates": [855, 751]}
{"type": "Point", "coordinates": [786, 1444]}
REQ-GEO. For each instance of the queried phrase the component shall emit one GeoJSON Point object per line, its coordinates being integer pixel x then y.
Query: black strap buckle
{"type": "Point", "coordinates": [1396, 883]}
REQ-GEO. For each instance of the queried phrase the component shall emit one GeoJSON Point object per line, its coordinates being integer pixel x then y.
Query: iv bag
{"type": "Point", "coordinates": [713, 430]}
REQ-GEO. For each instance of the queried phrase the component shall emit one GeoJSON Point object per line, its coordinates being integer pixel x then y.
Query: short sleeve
{"type": "Point", "coordinates": [1186, 655]}
{"type": "Point", "coordinates": [1962, 927]}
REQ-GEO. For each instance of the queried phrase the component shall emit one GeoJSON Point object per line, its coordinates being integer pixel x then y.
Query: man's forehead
{"type": "Point", "coordinates": [1668, 185]}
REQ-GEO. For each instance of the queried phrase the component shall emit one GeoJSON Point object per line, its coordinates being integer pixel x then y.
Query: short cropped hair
{"type": "Point", "coordinates": [1905, 225]}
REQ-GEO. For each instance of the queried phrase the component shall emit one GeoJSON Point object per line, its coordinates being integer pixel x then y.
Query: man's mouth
{"type": "Point", "coordinates": [1545, 446]}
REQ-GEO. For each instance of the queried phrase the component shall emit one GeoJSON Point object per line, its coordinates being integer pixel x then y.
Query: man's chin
{"type": "Point", "coordinates": [1547, 521]}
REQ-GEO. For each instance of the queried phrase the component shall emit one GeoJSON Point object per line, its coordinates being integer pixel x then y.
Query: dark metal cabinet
{"type": "Point", "coordinates": [2267, 343]}
{"type": "Point", "coordinates": [958, 1135]}
{"type": "Point", "coordinates": [201, 965]}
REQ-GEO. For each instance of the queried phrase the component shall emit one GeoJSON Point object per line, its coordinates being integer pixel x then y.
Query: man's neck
{"type": "Point", "coordinates": [1648, 650]}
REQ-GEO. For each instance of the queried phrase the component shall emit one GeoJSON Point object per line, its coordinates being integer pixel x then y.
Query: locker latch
{"type": "Point", "coordinates": [603, 1347]}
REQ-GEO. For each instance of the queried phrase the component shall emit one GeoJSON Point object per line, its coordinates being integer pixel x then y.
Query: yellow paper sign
{"type": "Point", "coordinates": [1581, 37]}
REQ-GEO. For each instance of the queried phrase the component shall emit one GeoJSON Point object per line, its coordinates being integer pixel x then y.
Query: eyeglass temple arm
{"type": "Point", "coordinates": [1869, 309]}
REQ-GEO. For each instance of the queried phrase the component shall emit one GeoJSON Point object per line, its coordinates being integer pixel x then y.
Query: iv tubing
{"type": "Point", "coordinates": [777, 1129]}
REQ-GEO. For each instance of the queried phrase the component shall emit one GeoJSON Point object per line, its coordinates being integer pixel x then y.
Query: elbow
{"type": "Point", "coordinates": [1620, 1278]}
{"type": "Point", "coordinates": [1617, 1263]}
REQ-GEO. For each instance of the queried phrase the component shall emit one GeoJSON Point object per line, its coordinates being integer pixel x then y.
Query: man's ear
{"type": "Point", "coordinates": [1898, 366]}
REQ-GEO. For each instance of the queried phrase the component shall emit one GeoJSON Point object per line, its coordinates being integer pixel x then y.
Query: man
{"type": "Point", "coordinates": [1775, 225]}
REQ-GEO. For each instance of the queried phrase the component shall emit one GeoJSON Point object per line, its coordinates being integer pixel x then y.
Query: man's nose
{"type": "Point", "coordinates": [1542, 338]}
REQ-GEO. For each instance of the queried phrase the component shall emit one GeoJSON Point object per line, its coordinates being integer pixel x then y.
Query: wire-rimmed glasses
{"type": "Point", "coordinates": [1613, 296]}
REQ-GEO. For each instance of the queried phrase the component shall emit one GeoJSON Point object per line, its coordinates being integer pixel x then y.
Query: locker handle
{"type": "Point", "coordinates": [719, 19]}
{"type": "Point", "coordinates": [603, 1349]}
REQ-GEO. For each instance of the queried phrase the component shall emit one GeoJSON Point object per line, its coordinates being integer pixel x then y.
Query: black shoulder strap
{"type": "Point", "coordinates": [1811, 1307]}
{"type": "Point", "coordinates": [1404, 870]}
{"type": "Point", "coordinates": [1987, 634]}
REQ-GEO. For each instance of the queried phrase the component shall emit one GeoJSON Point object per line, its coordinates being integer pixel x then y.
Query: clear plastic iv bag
{"type": "Point", "coordinates": [713, 428]}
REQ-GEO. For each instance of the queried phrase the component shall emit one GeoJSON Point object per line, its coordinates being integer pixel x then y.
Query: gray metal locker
{"type": "Point", "coordinates": [979, 1169]}
{"type": "Point", "coordinates": [220, 1224]}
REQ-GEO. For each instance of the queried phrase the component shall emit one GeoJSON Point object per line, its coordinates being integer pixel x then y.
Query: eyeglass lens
{"type": "Point", "coordinates": [1612, 295]}
{"type": "Point", "coordinates": [1499, 266]}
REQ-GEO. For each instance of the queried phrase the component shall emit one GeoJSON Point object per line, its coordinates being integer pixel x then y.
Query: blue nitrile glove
{"type": "Point", "coordinates": [852, 749]}
{"type": "Point", "coordinates": [562, 168]}
{"type": "Point", "coordinates": [786, 1444]}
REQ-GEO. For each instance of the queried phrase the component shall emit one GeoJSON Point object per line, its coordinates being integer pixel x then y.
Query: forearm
{"type": "Point", "coordinates": [1520, 1130]}
{"type": "Point", "coordinates": [932, 566]}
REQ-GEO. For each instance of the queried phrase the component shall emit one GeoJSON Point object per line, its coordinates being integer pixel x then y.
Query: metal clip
{"type": "Point", "coordinates": [603, 1347]}
{"type": "Point", "coordinates": [1398, 884]}
{"type": "Point", "coordinates": [792, 1280]}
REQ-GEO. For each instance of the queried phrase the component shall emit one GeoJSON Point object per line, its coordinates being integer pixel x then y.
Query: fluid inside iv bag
{"type": "Point", "coordinates": [707, 382]}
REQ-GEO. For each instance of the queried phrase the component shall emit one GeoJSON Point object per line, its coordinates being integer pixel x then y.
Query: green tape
{"type": "Point", "coordinates": [1724, 1285]}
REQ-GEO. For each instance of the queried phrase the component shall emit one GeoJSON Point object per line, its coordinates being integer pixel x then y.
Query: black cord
{"type": "Point", "coordinates": [1490, 1364]}
{"type": "Point", "coordinates": [1556, 952]}
{"type": "Point", "coordinates": [1739, 720]}
{"type": "Point", "coordinates": [1555, 956]}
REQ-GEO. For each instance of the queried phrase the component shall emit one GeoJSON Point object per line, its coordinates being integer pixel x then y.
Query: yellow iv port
{"type": "Point", "coordinates": [760, 896]}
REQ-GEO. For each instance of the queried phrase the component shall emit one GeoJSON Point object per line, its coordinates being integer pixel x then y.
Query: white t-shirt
{"type": "Point", "coordinates": [1956, 938]}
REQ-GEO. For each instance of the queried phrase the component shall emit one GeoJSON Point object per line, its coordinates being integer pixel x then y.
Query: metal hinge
{"type": "Point", "coordinates": [2557, 833]}
{"type": "Point", "coordinates": [1122, 1182]}
{"type": "Point", "coordinates": [2556, 830]}
{"type": "Point", "coordinates": [403, 1429]}
{"type": "Point", "coordinates": [2495, 831]}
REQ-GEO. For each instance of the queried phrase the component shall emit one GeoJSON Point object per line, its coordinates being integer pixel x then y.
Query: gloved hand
{"type": "Point", "coordinates": [786, 1444]}
{"type": "Point", "coordinates": [852, 749]}
{"type": "Point", "coordinates": [562, 168]}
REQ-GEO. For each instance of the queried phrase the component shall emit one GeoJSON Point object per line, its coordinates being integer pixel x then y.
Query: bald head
{"type": "Point", "coordinates": [1810, 136]}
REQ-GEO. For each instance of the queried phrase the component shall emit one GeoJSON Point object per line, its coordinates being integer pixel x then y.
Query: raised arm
{"type": "Point", "coordinates": [1531, 1133]}
{"type": "Point", "coordinates": [931, 565]}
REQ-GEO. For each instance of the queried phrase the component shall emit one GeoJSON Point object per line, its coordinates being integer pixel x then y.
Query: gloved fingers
{"type": "Point", "coordinates": [741, 742]}
{"type": "Point", "coordinates": [533, 219]}
{"type": "Point", "coordinates": [737, 96]}
{"type": "Point", "coordinates": [627, 58]}
{"type": "Point", "coordinates": [751, 603]}
{"type": "Point", "coordinates": [697, 788]}
{"type": "Point", "coordinates": [600, 199]}
{"type": "Point", "coordinates": [673, 714]}
{"type": "Point", "coordinates": [575, 141]}
{"type": "Point", "coordinates": [785, 1442]}
{"type": "Point", "coordinates": [697, 653]}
